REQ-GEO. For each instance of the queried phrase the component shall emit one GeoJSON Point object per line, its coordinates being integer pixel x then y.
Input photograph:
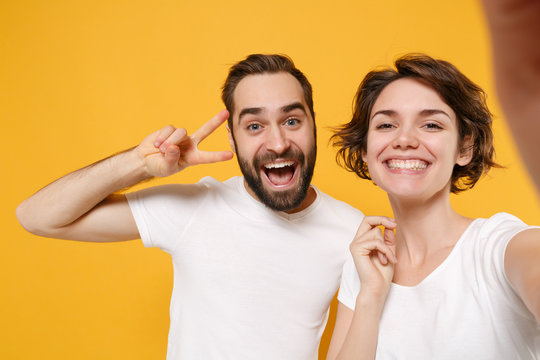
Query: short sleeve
{"type": "Point", "coordinates": [350, 284]}
{"type": "Point", "coordinates": [162, 213]}
{"type": "Point", "coordinates": [493, 239]}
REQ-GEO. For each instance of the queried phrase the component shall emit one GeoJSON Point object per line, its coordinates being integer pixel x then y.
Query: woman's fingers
{"type": "Point", "coordinates": [371, 241]}
{"type": "Point", "coordinates": [385, 241]}
{"type": "Point", "coordinates": [369, 222]}
{"type": "Point", "coordinates": [382, 258]}
{"type": "Point", "coordinates": [389, 237]}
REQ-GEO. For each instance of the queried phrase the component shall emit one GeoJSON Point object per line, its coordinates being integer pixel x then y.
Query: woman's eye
{"type": "Point", "coordinates": [432, 126]}
{"type": "Point", "coordinates": [384, 126]}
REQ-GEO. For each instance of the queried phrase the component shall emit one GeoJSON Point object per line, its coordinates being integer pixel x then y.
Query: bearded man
{"type": "Point", "coordinates": [257, 259]}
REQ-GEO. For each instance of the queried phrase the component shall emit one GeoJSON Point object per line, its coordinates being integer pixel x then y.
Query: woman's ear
{"type": "Point", "coordinates": [466, 152]}
{"type": "Point", "coordinates": [231, 140]}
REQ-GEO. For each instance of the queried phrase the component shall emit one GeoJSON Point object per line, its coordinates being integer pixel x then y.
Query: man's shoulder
{"type": "Point", "coordinates": [339, 207]}
{"type": "Point", "coordinates": [203, 187]}
{"type": "Point", "coordinates": [231, 185]}
{"type": "Point", "coordinates": [210, 181]}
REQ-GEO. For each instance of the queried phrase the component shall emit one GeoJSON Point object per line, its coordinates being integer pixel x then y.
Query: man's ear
{"type": "Point", "coordinates": [466, 152]}
{"type": "Point", "coordinates": [231, 140]}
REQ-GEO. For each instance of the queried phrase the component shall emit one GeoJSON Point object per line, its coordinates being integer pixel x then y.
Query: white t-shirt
{"type": "Point", "coordinates": [249, 282]}
{"type": "Point", "coordinates": [465, 309]}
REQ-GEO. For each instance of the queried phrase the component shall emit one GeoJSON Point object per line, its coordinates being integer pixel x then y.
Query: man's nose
{"type": "Point", "coordinates": [277, 141]}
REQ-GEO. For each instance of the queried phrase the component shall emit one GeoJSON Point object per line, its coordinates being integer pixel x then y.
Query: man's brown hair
{"type": "Point", "coordinates": [261, 64]}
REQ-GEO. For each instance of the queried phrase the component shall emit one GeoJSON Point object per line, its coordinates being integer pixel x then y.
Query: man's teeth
{"type": "Point", "coordinates": [279, 165]}
{"type": "Point", "coordinates": [407, 164]}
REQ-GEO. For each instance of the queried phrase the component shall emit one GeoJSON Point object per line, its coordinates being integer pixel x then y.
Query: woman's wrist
{"type": "Point", "coordinates": [372, 301]}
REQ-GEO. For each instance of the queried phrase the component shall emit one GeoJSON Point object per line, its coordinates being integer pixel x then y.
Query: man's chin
{"type": "Point", "coordinates": [279, 198]}
{"type": "Point", "coordinates": [279, 204]}
{"type": "Point", "coordinates": [275, 195]}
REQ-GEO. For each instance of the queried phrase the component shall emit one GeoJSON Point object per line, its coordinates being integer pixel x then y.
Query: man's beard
{"type": "Point", "coordinates": [280, 200]}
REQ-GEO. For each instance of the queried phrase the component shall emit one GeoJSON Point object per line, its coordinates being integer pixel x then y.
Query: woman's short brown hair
{"type": "Point", "coordinates": [466, 99]}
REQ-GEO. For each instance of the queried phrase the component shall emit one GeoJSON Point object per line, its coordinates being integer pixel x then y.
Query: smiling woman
{"type": "Point", "coordinates": [421, 132]}
{"type": "Point", "coordinates": [413, 140]}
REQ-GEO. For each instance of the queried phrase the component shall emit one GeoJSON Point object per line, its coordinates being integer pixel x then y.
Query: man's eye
{"type": "Point", "coordinates": [253, 127]}
{"type": "Point", "coordinates": [291, 122]}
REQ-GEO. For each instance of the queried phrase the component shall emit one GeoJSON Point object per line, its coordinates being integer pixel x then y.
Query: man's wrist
{"type": "Point", "coordinates": [130, 168]}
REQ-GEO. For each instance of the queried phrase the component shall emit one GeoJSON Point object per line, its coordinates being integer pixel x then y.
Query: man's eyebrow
{"type": "Point", "coordinates": [284, 109]}
{"type": "Point", "coordinates": [245, 111]}
{"type": "Point", "coordinates": [293, 106]}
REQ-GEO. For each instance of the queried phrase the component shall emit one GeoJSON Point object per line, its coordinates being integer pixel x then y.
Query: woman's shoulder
{"type": "Point", "coordinates": [495, 231]}
{"type": "Point", "coordinates": [499, 223]}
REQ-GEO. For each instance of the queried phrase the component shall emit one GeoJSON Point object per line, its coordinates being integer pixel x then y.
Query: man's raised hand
{"type": "Point", "coordinates": [169, 150]}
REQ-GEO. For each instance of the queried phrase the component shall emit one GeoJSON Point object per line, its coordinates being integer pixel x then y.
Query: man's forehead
{"type": "Point", "coordinates": [270, 92]}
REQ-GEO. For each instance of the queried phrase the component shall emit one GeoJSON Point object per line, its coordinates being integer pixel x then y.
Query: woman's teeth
{"type": "Point", "coordinates": [406, 164]}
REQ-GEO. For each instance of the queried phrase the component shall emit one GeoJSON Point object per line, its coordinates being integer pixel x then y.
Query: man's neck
{"type": "Point", "coordinates": [308, 200]}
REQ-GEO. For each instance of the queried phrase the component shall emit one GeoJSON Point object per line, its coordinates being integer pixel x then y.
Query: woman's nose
{"type": "Point", "coordinates": [406, 138]}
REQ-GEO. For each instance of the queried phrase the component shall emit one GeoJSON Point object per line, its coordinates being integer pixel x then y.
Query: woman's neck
{"type": "Point", "coordinates": [426, 227]}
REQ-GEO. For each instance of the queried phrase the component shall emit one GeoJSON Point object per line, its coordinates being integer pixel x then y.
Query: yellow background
{"type": "Point", "coordinates": [80, 80]}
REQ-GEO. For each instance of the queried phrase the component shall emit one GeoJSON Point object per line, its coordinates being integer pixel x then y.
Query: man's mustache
{"type": "Point", "coordinates": [271, 157]}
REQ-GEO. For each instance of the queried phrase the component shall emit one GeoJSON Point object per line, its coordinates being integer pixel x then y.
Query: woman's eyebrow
{"type": "Point", "coordinates": [389, 113]}
{"type": "Point", "coordinates": [427, 112]}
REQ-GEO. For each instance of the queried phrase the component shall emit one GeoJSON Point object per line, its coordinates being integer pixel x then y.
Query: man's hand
{"type": "Point", "coordinates": [169, 150]}
{"type": "Point", "coordinates": [80, 205]}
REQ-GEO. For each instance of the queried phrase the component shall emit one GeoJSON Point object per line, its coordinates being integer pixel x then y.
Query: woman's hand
{"type": "Point", "coordinates": [373, 252]}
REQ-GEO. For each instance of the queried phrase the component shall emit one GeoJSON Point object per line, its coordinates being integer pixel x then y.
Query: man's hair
{"type": "Point", "coordinates": [256, 64]}
{"type": "Point", "coordinates": [466, 99]}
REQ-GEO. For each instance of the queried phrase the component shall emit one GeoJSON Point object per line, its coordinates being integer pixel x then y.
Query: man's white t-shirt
{"type": "Point", "coordinates": [465, 309]}
{"type": "Point", "coordinates": [249, 282]}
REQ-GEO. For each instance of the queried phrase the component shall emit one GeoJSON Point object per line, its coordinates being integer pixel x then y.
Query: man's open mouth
{"type": "Point", "coordinates": [280, 173]}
